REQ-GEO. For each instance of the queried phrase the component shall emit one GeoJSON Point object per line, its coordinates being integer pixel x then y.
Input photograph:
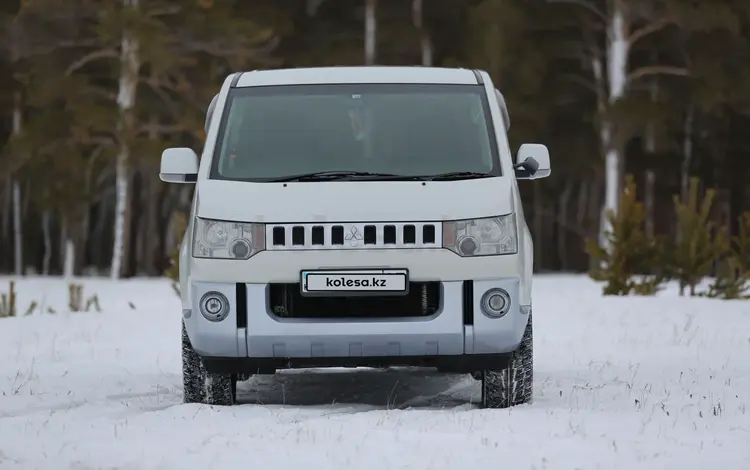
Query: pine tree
{"type": "Point", "coordinates": [632, 262]}
{"type": "Point", "coordinates": [733, 273]}
{"type": "Point", "coordinates": [700, 242]}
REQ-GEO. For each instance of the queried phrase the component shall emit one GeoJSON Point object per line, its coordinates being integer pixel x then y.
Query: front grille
{"type": "Point", "coordinates": [423, 299]}
{"type": "Point", "coordinates": [351, 236]}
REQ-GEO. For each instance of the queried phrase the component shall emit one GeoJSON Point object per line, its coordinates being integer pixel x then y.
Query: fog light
{"type": "Point", "coordinates": [495, 303]}
{"type": "Point", "coordinates": [240, 249]}
{"type": "Point", "coordinates": [467, 245]}
{"type": "Point", "coordinates": [214, 306]}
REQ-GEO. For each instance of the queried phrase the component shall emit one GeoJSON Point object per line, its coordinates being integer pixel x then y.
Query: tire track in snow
{"type": "Point", "coordinates": [360, 390]}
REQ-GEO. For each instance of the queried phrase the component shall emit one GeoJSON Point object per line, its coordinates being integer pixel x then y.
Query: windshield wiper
{"type": "Point", "coordinates": [337, 175]}
{"type": "Point", "coordinates": [332, 175]}
{"type": "Point", "coordinates": [365, 175]}
{"type": "Point", "coordinates": [456, 175]}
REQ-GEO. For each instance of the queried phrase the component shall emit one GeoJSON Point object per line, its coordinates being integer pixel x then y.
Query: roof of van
{"type": "Point", "coordinates": [363, 74]}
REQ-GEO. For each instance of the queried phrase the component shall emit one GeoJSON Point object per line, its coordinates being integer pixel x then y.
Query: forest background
{"type": "Point", "coordinates": [91, 92]}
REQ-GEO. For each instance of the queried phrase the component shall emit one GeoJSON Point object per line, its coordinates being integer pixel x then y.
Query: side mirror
{"type": "Point", "coordinates": [179, 165]}
{"type": "Point", "coordinates": [532, 162]}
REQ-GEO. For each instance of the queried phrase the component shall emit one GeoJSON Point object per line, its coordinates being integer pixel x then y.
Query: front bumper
{"type": "Point", "coordinates": [457, 329]}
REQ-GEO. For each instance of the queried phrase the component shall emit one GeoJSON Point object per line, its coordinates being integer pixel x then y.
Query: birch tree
{"type": "Point", "coordinates": [17, 229]}
{"type": "Point", "coordinates": [371, 26]}
{"type": "Point", "coordinates": [425, 42]}
{"type": "Point", "coordinates": [553, 59]}
{"type": "Point", "coordinates": [126, 96]}
{"type": "Point", "coordinates": [625, 23]}
{"type": "Point", "coordinates": [16, 129]}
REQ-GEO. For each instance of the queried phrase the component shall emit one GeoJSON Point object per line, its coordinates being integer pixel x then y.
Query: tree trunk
{"type": "Point", "coordinates": [538, 227]}
{"type": "Point", "coordinates": [47, 242]}
{"type": "Point", "coordinates": [562, 239]}
{"type": "Point", "coordinates": [650, 145]}
{"type": "Point", "coordinates": [687, 153]}
{"type": "Point", "coordinates": [128, 87]}
{"type": "Point", "coordinates": [424, 37]}
{"type": "Point", "coordinates": [69, 258]}
{"type": "Point", "coordinates": [595, 200]}
{"type": "Point", "coordinates": [17, 229]}
{"type": "Point", "coordinates": [648, 202]}
{"type": "Point", "coordinates": [97, 255]}
{"type": "Point", "coordinates": [82, 255]}
{"type": "Point", "coordinates": [581, 207]}
{"type": "Point", "coordinates": [618, 50]}
{"type": "Point", "coordinates": [7, 210]}
{"type": "Point", "coordinates": [61, 240]}
{"type": "Point", "coordinates": [151, 244]}
{"type": "Point", "coordinates": [26, 201]}
{"type": "Point", "coordinates": [150, 203]}
{"type": "Point", "coordinates": [548, 234]}
{"type": "Point", "coordinates": [370, 31]}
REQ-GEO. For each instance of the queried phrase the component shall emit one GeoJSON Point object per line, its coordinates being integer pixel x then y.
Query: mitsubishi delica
{"type": "Point", "coordinates": [357, 217]}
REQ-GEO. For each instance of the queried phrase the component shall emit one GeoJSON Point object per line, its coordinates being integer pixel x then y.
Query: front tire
{"type": "Point", "coordinates": [220, 389]}
{"type": "Point", "coordinates": [201, 387]}
{"type": "Point", "coordinates": [193, 385]}
{"type": "Point", "coordinates": [513, 385]}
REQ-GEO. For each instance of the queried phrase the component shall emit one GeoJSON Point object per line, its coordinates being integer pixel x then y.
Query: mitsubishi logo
{"type": "Point", "coordinates": [353, 237]}
{"type": "Point", "coordinates": [213, 306]}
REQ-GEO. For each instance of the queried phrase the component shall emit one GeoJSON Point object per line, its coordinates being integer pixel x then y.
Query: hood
{"type": "Point", "coordinates": [354, 201]}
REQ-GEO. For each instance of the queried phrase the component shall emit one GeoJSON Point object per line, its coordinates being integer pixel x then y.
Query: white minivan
{"type": "Point", "coordinates": [357, 217]}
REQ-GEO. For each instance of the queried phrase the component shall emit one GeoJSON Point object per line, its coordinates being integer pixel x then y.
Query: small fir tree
{"type": "Point", "coordinates": [733, 273]}
{"type": "Point", "coordinates": [632, 262]}
{"type": "Point", "coordinates": [700, 242]}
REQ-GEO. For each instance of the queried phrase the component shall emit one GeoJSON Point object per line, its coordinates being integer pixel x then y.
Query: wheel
{"type": "Point", "coordinates": [193, 384]}
{"type": "Point", "coordinates": [513, 385]}
{"type": "Point", "coordinates": [220, 389]}
{"type": "Point", "coordinates": [201, 387]}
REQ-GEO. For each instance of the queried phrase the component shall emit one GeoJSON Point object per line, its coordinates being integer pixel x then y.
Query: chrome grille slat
{"type": "Point", "coordinates": [354, 236]}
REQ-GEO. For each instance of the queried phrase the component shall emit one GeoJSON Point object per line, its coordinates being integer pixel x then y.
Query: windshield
{"type": "Point", "coordinates": [273, 132]}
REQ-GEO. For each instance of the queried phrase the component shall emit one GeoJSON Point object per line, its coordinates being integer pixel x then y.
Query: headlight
{"type": "Point", "coordinates": [482, 237]}
{"type": "Point", "coordinates": [227, 240]}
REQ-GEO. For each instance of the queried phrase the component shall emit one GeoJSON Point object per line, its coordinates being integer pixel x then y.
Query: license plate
{"type": "Point", "coordinates": [355, 282]}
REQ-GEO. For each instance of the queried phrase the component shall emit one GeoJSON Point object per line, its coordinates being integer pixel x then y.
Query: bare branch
{"type": "Point", "coordinates": [656, 70]}
{"type": "Point", "coordinates": [584, 4]}
{"type": "Point", "coordinates": [229, 48]}
{"type": "Point", "coordinates": [32, 51]}
{"type": "Point", "coordinates": [650, 28]}
{"type": "Point", "coordinates": [155, 85]}
{"type": "Point", "coordinates": [90, 166]}
{"type": "Point", "coordinates": [90, 57]}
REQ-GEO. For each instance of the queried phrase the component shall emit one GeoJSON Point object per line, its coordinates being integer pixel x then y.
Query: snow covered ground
{"type": "Point", "coordinates": [621, 383]}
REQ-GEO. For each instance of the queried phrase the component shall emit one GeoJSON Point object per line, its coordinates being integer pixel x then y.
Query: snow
{"type": "Point", "coordinates": [621, 383]}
